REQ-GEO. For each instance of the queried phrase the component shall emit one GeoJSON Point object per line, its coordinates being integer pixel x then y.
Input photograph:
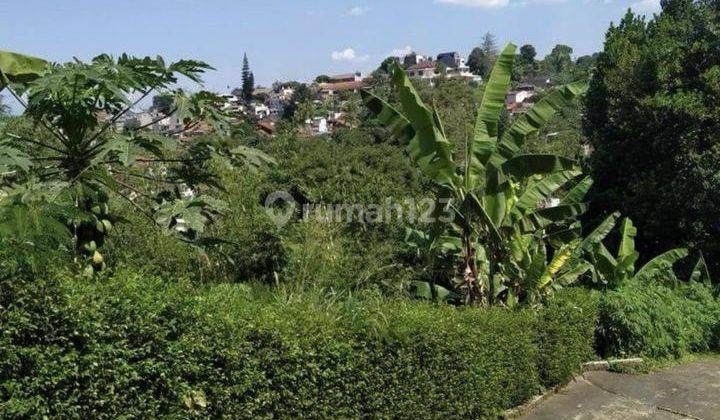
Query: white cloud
{"type": "Point", "coordinates": [401, 52]}
{"type": "Point", "coordinates": [646, 6]}
{"type": "Point", "coordinates": [348, 54]}
{"type": "Point", "coordinates": [476, 3]}
{"type": "Point", "coordinates": [357, 11]}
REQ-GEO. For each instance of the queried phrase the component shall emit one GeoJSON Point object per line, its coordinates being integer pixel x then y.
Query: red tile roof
{"type": "Point", "coordinates": [341, 86]}
{"type": "Point", "coordinates": [424, 65]}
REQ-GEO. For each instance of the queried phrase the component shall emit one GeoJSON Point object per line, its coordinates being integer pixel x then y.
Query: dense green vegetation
{"type": "Point", "coordinates": [659, 320]}
{"type": "Point", "coordinates": [200, 305]}
{"type": "Point", "coordinates": [652, 119]}
{"type": "Point", "coordinates": [138, 345]}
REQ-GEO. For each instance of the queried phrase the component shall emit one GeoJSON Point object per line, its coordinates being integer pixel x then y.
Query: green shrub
{"type": "Point", "coordinates": [137, 346]}
{"type": "Point", "coordinates": [137, 243]}
{"type": "Point", "coordinates": [655, 320]}
{"type": "Point", "coordinates": [254, 250]}
{"type": "Point", "coordinates": [564, 334]}
{"type": "Point", "coordinates": [251, 249]}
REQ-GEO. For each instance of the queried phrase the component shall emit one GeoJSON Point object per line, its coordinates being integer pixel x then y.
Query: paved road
{"type": "Point", "coordinates": [690, 391]}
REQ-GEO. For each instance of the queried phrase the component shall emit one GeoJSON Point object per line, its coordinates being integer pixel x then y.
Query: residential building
{"type": "Point", "coordinates": [423, 70]}
{"type": "Point", "coordinates": [230, 102]}
{"type": "Point", "coordinates": [331, 89]}
{"type": "Point", "coordinates": [413, 59]}
{"type": "Point", "coordinates": [144, 119]}
{"type": "Point", "coordinates": [517, 100]}
{"type": "Point", "coordinates": [286, 93]}
{"type": "Point", "coordinates": [277, 104]}
{"type": "Point", "coordinates": [317, 125]}
{"type": "Point", "coordinates": [345, 78]}
{"type": "Point", "coordinates": [451, 59]}
{"type": "Point", "coordinates": [260, 110]}
{"type": "Point", "coordinates": [462, 71]}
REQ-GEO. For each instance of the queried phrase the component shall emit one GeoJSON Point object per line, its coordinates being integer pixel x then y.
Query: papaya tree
{"type": "Point", "coordinates": [512, 237]}
{"type": "Point", "coordinates": [63, 171]}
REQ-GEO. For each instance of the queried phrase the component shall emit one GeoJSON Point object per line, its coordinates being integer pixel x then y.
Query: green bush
{"type": "Point", "coordinates": [137, 346]}
{"type": "Point", "coordinates": [659, 321]}
{"type": "Point", "coordinates": [564, 334]}
{"type": "Point", "coordinates": [138, 243]}
{"type": "Point", "coordinates": [250, 248]}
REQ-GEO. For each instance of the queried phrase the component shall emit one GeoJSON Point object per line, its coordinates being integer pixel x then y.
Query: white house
{"type": "Point", "coordinates": [318, 125]}
{"type": "Point", "coordinates": [516, 99]}
{"type": "Point", "coordinates": [261, 111]}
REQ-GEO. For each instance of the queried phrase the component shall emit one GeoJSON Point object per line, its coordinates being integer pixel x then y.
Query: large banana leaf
{"type": "Point", "coordinates": [496, 195]}
{"type": "Point", "coordinates": [398, 126]}
{"type": "Point", "coordinates": [523, 166]}
{"type": "Point", "coordinates": [571, 275]}
{"type": "Point", "coordinates": [604, 263]}
{"type": "Point", "coordinates": [559, 261]}
{"type": "Point", "coordinates": [562, 212]}
{"type": "Point", "coordinates": [600, 232]}
{"type": "Point", "coordinates": [578, 192]}
{"type": "Point", "coordinates": [423, 290]}
{"type": "Point", "coordinates": [19, 68]}
{"type": "Point", "coordinates": [626, 266]}
{"type": "Point", "coordinates": [538, 266]}
{"type": "Point", "coordinates": [485, 135]}
{"type": "Point", "coordinates": [661, 262]}
{"type": "Point", "coordinates": [429, 148]}
{"type": "Point", "coordinates": [537, 191]}
{"type": "Point", "coordinates": [565, 235]}
{"type": "Point", "coordinates": [627, 239]}
{"type": "Point", "coordinates": [473, 204]}
{"type": "Point", "coordinates": [536, 117]}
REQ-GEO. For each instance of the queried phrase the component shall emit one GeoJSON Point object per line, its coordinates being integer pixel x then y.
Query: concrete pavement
{"type": "Point", "coordinates": [690, 391]}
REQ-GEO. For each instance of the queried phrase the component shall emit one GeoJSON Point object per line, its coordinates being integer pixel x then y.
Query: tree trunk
{"type": "Point", "coordinates": [471, 287]}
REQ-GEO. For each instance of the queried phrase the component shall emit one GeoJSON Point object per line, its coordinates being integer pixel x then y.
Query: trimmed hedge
{"type": "Point", "coordinates": [658, 321]}
{"type": "Point", "coordinates": [564, 334]}
{"type": "Point", "coordinates": [136, 346]}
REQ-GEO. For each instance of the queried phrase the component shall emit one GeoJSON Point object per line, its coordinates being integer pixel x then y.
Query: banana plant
{"type": "Point", "coordinates": [75, 107]}
{"type": "Point", "coordinates": [614, 270]}
{"type": "Point", "coordinates": [498, 197]}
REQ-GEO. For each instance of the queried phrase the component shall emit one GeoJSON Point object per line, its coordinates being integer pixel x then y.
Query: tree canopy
{"type": "Point", "coordinates": [652, 119]}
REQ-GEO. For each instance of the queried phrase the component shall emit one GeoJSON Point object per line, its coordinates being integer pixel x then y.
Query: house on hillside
{"type": "Point", "coordinates": [451, 59]}
{"type": "Point", "coordinates": [286, 93]}
{"type": "Point", "coordinates": [277, 104]}
{"type": "Point", "coordinates": [518, 100]}
{"type": "Point", "coordinates": [316, 126]}
{"type": "Point", "coordinates": [345, 78]}
{"type": "Point", "coordinates": [456, 66]}
{"type": "Point", "coordinates": [424, 70]}
{"type": "Point", "coordinates": [144, 119]}
{"type": "Point", "coordinates": [260, 110]}
{"type": "Point", "coordinates": [230, 102]}
{"type": "Point", "coordinates": [332, 89]}
{"type": "Point", "coordinates": [413, 59]}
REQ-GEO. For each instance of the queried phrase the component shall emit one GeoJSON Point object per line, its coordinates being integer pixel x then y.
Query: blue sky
{"type": "Point", "coordinates": [296, 39]}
